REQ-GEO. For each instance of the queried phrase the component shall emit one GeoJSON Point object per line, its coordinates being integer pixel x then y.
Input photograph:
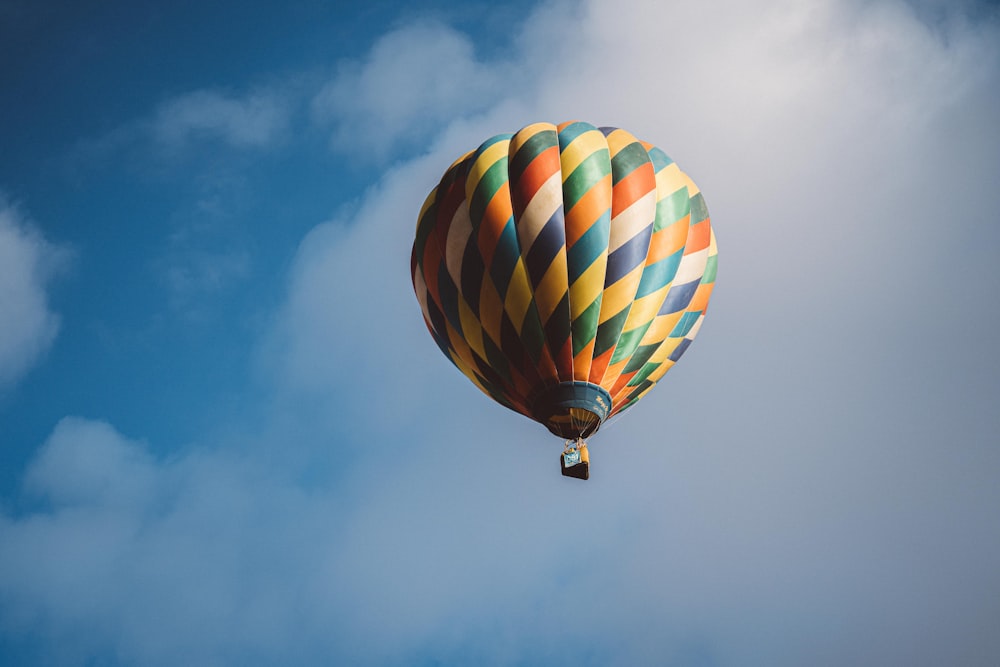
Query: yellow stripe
{"type": "Point", "coordinates": [459, 346]}
{"type": "Point", "coordinates": [665, 350]}
{"type": "Point", "coordinates": [426, 205]}
{"type": "Point", "coordinates": [617, 297]}
{"type": "Point", "coordinates": [518, 296]}
{"type": "Point", "coordinates": [529, 131]}
{"type": "Point", "coordinates": [670, 179]}
{"type": "Point", "coordinates": [490, 308]}
{"type": "Point", "coordinates": [587, 287]}
{"type": "Point", "coordinates": [455, 163]}
{"type": "Point", "coordinates": [579, 150]}
{"type": "Point", "coordinates": [661, 370]}
{"type": "Point", "coordinates": [644, 310]}
{"type": "Point", "coordinates": [692, 188]}
{"type": "Point", "coordinates": [550, 289]}
{"type": "Point", "coordinates": [487, 159]}
{"type": "Point", "coordinates": [420, 288]}
{"type": "Point", "coordinates": [472, 330]}
{"type": "Point", "coordinates": [618, 140]}
{"type": "Point", "coordinates": [660, 329]}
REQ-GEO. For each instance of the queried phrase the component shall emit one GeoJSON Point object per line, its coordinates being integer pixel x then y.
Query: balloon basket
{"type": "Point", "coordinates": [575, 461]}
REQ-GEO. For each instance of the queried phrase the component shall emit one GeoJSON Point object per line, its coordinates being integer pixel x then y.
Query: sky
{"type": "Point", "coordinates": [226, 437]}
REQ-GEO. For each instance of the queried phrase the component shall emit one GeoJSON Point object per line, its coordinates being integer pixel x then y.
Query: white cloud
{"type": "Point", "coordinates": [27, 324]}
{"type": "Point", "coordinates": [255, 120]}
{"type": "Point", "coordinates": [414, 80]}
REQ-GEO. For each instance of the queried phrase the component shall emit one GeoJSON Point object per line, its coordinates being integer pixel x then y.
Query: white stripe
{"type": "Point", "coordinates": [692, 267]}
{"type": "Point", "coordinates": [458, 237]}
{"type": "Point", "coordinates": [632, 220]}
{"type": "Point", "coordinates": [539, 210]}
{"type": "Point", "coordinates": [695, 328]}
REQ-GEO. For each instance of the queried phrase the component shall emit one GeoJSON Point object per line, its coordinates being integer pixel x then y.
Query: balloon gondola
{"type": "Point", "coordinates": [564, 270]}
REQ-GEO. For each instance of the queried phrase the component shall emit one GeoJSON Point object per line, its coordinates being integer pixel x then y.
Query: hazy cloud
{"type": "Point", "coordinates": [28, 324]}
{"type": "Point", "coordinates": [255, 120]}
{"type": "Point", "coordinates": [413, 81]}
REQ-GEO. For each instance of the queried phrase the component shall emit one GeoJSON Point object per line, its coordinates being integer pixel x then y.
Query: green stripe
{"type": "Point", "coordinates": [529, 150]}
{"type": "Point", "coordinates": [491, 181]}
{"type": "Point", "coordinates": [644, 373]}
{"type": "Point", "coordinates": [585, 326]}
{"type": "Point", "coordinates": [640, 357]}
{"type": "Point", "coordinates": [659, 159]}
{"type": "Point", "coordinates": [572, 131]}
{"type": "Point", "coordinates": [495, 139]}
{"type": "Point", "coordinates": [659, 275]}
{"type": "Point", "coordinates": [532, 335]}
{"type": "Point", "coordinates": [628, 160]}
{"type": "Point", "coordinates": [608, 333]}
{"type": "Point", "coordinates": [699, 210]}
{"type": "Point", "coordinates": [594, 167]}
{"type": "Point", "coordinates": [671, 209]}
{"type": "Point", "coordinates": [684, 325]}
{"type": "Point", "coordinates": [588, 247]}
{"type": "Point", "coordinates": [496, 359]}
{"type": "Point", "coordinates": [505, 257]}
{"type": "Point", "coordinates": [628, 342]}
{"type": "Point", "coordinates": [711, 266]}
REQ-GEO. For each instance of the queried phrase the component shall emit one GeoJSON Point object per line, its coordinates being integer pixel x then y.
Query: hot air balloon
{"type": "Point", "coordinates": [564, 270]}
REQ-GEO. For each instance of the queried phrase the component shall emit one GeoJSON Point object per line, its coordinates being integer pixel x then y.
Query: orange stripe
{"type": "Point", "coordinates": [582, 361]}
{"type": "Point", "coordinates": [699, 302]}
{"type": "Point", "coordinates": [521, 386]}
{"type": "Point", "coordinates": [547, 367]}
{"type": "Point", "coordinates": [431, 262]}
{"type": "Point", "coordinates": [564, 360]}
{"type": "Point", "coordinates": [622, 380]}
{"type": "Point", "coordinates": [661, 245]}
{"type": "Point", "coordinates": [698, 237]}
{"type": "Point", "coordinates": [632, 188]}
{"type": "Point", "coordinates": [588, 210]}
{"type": "Point", "coordinates": [613, 375]}
{"type": "Point", "coordinates": [495, 218]}
{"type": "Point", "coordinates": [600, 367]}
{"type": "Point", "coordinates": [535, 174]}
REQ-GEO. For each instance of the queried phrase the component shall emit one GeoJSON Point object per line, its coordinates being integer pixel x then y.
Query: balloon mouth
{"type": "Point", "coordinates": [573, 409]}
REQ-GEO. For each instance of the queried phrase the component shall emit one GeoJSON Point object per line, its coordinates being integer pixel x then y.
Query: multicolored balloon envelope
{"type": "Point", "coordinates": [564, 269]}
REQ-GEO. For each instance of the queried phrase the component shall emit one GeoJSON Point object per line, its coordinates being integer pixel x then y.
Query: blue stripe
{"type": "Point", "coordinates": [628, 256]}
{"type": "Point", "coordinates": [547, 245]}
{"type": "Point", "coordinates": [660, 159]}
{"type": "Point", "coordinates": [508, 251]}
{"type": "Point", "coordinates": [655, 276]}
{"type": "Point", "coordinates": [684, 325]}
{"type": "Point", "coordinates": [588, 247]}
{"type": "Point", "coordinates": [679, 297]}
{"type": "Point", "coordinates": [676, 354]}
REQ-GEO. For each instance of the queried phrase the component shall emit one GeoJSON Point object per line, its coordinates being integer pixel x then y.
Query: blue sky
{"type": "Point", "coordinates": [226, 437]}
